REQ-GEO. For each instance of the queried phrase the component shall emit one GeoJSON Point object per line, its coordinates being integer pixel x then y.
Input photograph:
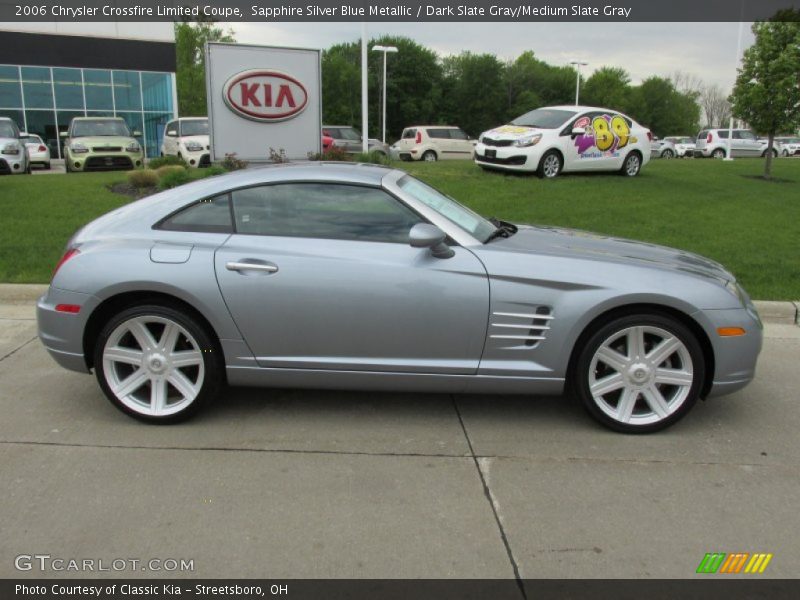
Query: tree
{"type": "Point", "coordinates": [715, 105]}
{"type": "Point", "coordinates": [767, 94]}
{"type": "Point", "coordinates": [190, 40]}
{"type": "Point", "coordinates": [608, 87]}
{"type": "Point", "coordinates": [666, 111]}
{"type": "Point", "coordinates": [474, 97]}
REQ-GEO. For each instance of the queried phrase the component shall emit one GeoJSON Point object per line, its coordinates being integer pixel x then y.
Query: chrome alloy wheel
{"type": "Point", "coordinates": [641, 375]}
{"type": "Point", "coordinates": [153, 365]}
{"type": "Point", "coordinates": [632, 165]}
{"type": "Point", "coordinates": [551, 165]}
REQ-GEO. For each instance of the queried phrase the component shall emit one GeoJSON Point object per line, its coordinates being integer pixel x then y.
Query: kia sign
{"type": "Point", "coordinates": [265, 95]}
{"type": "Point", "coordinates": [262, 97]}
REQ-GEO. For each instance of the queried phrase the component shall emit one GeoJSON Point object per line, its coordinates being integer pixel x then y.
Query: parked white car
{"type": "Point", "coordinates": [433, 142]}
{"type": "Point", "coordinates": [188, 139]}
{"type": "Point", "coordinates": [13, 153]}
{"type": "Point", "coordinates": [714, 143]}
{"type": "Point", "coordinates": [788, 146]}
{"type": "Point", "coordinates": [662, 148]}
{"type": "Point", "coordinates": [684, 145]}
{"type": "Point", "coordinates": [38, 152]}
{"type": "Point", "coordinates": [558, 139]}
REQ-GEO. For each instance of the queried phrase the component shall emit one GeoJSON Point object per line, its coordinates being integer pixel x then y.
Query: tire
{"type": "Point", "coordinates": [632, 165]}
{"type": "Point", "coordinates": [160, 393]}
{"type": "Point", "coordinates": [47, 165]}
{"type": "Point", "coordinates": [667, 154]}
{"type": "Point", "coordinates": [618, 362]}
{"type": "Point", "coordinates": [719, 154]}
{"type": "Point", "coordinates": [550, 165]}
{"type": "Point", "coordinates": [774, 153]}
{"type": "Point", "coordinates": [429, 156]}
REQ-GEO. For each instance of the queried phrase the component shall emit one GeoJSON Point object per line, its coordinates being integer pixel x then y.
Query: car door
{"type": "Point", "coordinates": [747, 142]}
{"type": "Point", "coordinates": [591, 151]}
{"type": "Point", "coordinates": [321, 276]}
{"type": "Point", "coordinates": [460, 144]}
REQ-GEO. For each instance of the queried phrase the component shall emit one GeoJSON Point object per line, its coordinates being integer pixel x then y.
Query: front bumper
{"type": "Point", "coordinates": [61, 332]}
{"type": "Point", "coordinates": [105, 161]}
{"type": "Point", "coordinates": [11, 166]}
{"type": "Point", "coordinates": [508, 158]}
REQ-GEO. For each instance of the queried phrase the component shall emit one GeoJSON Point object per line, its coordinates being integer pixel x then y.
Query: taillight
{"type": "Point", "coordinates": [67, 255]}
{"type": "Point", "coordinates": [709, 138]}
{"type": "Point", "coordinates": [42, 148]}
{"type": "Point", "coordinates": [419, 137]}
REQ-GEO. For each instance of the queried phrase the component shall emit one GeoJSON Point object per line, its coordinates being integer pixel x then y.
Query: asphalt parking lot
{"type": "Point", "coordinates": [281, 483]}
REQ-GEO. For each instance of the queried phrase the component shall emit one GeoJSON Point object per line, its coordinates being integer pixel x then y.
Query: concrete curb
{"type": "Point", "coordinates": [783, 313]}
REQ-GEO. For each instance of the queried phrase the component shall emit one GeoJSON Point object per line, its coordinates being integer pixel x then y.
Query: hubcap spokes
{"type": "Point", "coordinates": [153, 365]}
{"type": "Point", "coordinates": [551, 166]}
{"type": "Point", "coordinates": [633, 165]}
{"type": "Point", "coordinates": [641, 375]}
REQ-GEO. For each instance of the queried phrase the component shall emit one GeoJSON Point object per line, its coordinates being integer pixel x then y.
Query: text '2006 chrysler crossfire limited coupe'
{"type": "Point", "coordinates": [362, 277]}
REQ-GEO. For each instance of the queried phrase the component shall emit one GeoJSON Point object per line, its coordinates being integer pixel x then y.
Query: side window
{"type": "Point", "coordinates": [334, 133]}
{"type": "Point", "coordinates": [409, 134]}
{"type": "Point", "coordinates": [744, 135]}
{"type": "Point", "coordinates": [723, 133]}
{"type": "Point", "coordinates": [327, 211]}
{"type": "Point", "coordinates": [439, 134]}
{"type": "Point", "coordinates": [172, 128]}
{"type": "Point", "coordinates": [457, 134]}
{"type": "Point", "coordinates": [211, 215]}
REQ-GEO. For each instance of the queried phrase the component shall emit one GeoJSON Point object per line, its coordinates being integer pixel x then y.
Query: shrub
{"type": "Point", "coordinates": [376, 158]}
{"type": "Point", "coordinates": [174, 179]}
{"type": "Point", "coordinates": [167, 169]}
{"type": "Point", "coordinates": [231, 163]}
{"type": "Point", "coordinates": [213, 171]}
{"type": "Point", "coordinates": [334, 153]}
{"type": "Point", "coordinates": [161, 161]}
{"type": "Point", "coordinates": [277, 156]}
{"type": "Point", "coordinates": [143, 178]}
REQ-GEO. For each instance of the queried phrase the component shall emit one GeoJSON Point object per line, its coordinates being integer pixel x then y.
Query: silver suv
{"type": "Point", "coordinates": [714, 143]}
{"type": "Point", "coordinates": [13, 153]}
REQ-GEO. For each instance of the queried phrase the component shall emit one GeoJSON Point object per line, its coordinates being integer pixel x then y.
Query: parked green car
{"type": "Point", "coordinates": [101, 143]}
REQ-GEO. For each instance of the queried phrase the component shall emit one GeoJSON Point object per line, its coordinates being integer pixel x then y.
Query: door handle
{"type": "Point", "coordinates": [247, 266]}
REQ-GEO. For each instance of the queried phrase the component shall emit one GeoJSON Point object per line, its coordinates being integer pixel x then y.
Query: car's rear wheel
{"type": "Point", "coordinates": [640, 373]}
{"type": "Point", "coordinates": [632, 165]}
{"type": "Point", "coordinates": [719, 153]}
{"type": "Point", "coordinates": [157, 364]}
{"type": "Point", "coordinates": [550, 165]}
{"type": "Point", "coordinates": [667, 154]}
{"type": "Point", "coordinates": [774, 153]}
{"type": "Point", "coordinates": [429, 156]}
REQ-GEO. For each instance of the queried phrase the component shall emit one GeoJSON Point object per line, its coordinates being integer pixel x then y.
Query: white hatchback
{"type": "Point", "coordinates": [558, 139]}
{"type": "Point", "coordinates": [188, 139]}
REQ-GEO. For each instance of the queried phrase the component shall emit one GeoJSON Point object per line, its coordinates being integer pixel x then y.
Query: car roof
{"type": "Point", "coordinates": [97, 119]}
{"type": "Point", "coordinates": [435, 126]}
{"type": "Point", "coordinates": [341, 126]}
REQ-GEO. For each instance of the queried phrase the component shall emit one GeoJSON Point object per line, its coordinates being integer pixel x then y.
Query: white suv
{"type": "Point", "coordinates": [566, 138]}
{"type": "Point", "coordinates": [188, 139]}
{"type": "Point", "coordinates": [714, 143]}
{"type": "Point", "coordinates": [433, 142]}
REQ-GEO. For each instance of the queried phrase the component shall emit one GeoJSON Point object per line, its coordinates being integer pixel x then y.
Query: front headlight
{"type": "Point", "coordinates": [528, 140]}
{"type": "Point", "coordinates": [78, 148]}
{"type": "Point", "coordinates": [13, 148]}
{"type": "Point", "coordinates": [133, 147]}
{"type": "Point", "coordinates": [480, 137]}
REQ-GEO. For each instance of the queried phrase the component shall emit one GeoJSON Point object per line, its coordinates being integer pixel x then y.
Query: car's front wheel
{"type": "Point", "coordinates": [550, 165]}
{"type": "Point", "coordinates": [640, 373]}
{"type": "Point", "coordinates": [774, 153]}
{"type": "Point", "coordinates": [668, 154]}
{"type": "Point", "coordinates": [157, 364]}
{"type": "Point", "coordinates": [632, 165]}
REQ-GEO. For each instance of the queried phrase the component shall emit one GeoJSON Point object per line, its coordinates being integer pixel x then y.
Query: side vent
{"type": "Point", "coordinates": [521, 329]}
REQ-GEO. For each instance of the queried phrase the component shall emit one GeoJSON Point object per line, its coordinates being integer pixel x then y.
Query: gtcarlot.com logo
{"type": "Point", "coordinates": [734, 563]}
{"type": "Point", "coordinates": [46, 562]}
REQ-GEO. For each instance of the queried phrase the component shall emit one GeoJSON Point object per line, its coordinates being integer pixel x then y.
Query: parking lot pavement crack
{"type": "Point", "coordinates": [17, 349]}
{"type": "Point", "coordinates": [492, 502]}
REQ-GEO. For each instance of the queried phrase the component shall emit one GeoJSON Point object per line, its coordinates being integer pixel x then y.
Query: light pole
{"type": "Point", "coordinates": [578, 64]}
{"type": "Point", "coordinates": [385, 50]}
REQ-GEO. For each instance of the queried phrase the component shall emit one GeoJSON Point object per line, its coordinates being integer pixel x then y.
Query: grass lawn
{"type": "Point", "coordinates": [711, 207]}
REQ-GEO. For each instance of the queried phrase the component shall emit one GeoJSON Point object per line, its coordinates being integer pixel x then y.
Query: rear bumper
{"type": "Point", "coordinates": [62, 333]}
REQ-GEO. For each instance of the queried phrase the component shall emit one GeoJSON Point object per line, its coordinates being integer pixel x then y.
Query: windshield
{"type": "Point", "coordinates": [100, 127]}
{"type": "Point", "coordinates": [544, 118]}
{"type": "Point", "coordinates": [199, 127]}
{"type": "Point", "coordinates": [7, 130]}
{"type": "Point", "coordinates": [459, 215]}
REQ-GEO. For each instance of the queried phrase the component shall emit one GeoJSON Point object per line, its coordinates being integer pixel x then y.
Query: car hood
{"type": "Point", "coordinates": [511, 132]}
{"type": "Point", "coordinates": [103, 141]}
{"type": "Point", "coordinates": [573, 243]}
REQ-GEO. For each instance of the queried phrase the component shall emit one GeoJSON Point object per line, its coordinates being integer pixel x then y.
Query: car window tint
{"type": "Point", "coordinates": [348, 133]}
{"type": "Point", "coordinates": [723, 134]}
{"type": "Point", "coordinates": [211, 215]}
{"type": "Point", "coordinates": [409, 134]}
{"type": "Point", "coordinates": [744, 135]}
{"type": "Point", "coordinates": [439, 134]}
{"type": "Point", "coordinates": [172, 127]}
{"type": "Point", "coordinates": [328, 211]}
{"type": "Point", "coordinates": [457, 134]}
{"type": "Point", "coordinates": [702, 135]}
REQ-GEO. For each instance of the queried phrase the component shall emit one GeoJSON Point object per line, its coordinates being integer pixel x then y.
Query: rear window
{"type": "Point", "coordinates": [409, 134]}
{"type": "Point", "coordinates": [702, 135]}
{"type": "Point", "coordinates": [723, 134]}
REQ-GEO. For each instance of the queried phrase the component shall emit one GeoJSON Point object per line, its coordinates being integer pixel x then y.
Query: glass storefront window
{"type": "Point", "coordinates": [68, 86]}
{"type": "Point", "coordinates": [97, 85]}
{"type": "Point", "coordinates": [10, 94]}
{"type": "Point", "coordinates": [154, 124]}
{"type": "Point", "coordinates": [37, 87]}
{"type": "Point", "coordinates": [127, 92]}
{"type": "Point", "coordinates": [157, 91]}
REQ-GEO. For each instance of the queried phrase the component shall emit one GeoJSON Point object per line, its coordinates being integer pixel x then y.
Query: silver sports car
{"type": "Point", "coordinates": [363, 277]}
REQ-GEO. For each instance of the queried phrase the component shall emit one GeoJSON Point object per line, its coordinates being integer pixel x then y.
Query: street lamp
{"type": "Point", "coordinates": [385, 50]}
{"type": "Point", "coordinates": [578, 64]}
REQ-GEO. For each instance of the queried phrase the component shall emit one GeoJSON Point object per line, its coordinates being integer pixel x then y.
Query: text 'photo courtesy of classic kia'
{"type": "Point", "coordinates": [350, 276]}
{"type": "Point", "coordinates": [552, 140]}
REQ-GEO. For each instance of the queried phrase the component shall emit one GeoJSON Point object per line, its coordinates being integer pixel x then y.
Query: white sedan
{"type": "Point", "coordinates": [38, 152]}
{"type": "Point", "coordinates": [558, 139]}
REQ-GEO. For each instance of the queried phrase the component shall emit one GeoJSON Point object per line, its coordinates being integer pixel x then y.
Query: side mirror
{"type": "Point", "coordinates": [423, 235]}
{"type": "Point", "coordinates": [63, 134]}
{"type": "Point", "coordinates": [137, 134]}
{"type": "Point", "coordinates": [576, 131]}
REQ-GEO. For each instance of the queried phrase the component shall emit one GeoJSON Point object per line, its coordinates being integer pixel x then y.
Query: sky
{"type": "Point", "coordinates": [706, 50]}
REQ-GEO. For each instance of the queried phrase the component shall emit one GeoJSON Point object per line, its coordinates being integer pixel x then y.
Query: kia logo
{"type": "Point", "coordinates": [264, 95]}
